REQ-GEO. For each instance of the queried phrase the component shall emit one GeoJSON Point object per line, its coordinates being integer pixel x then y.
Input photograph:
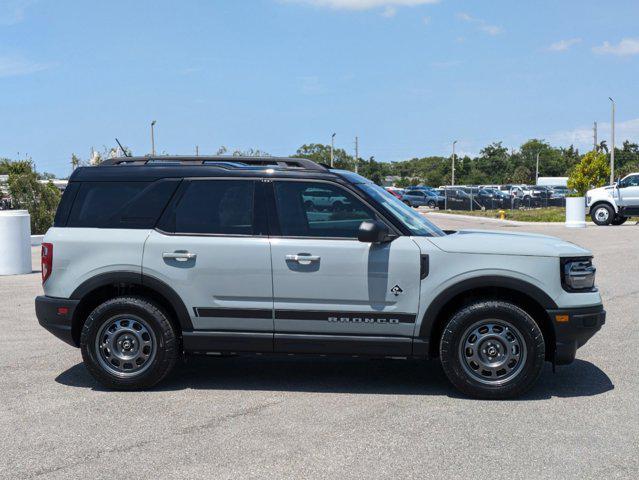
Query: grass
{"type": "Point", "coordinates": [549, 214]}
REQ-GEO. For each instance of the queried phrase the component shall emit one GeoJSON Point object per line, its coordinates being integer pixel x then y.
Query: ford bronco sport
{"type": "Point", "coordinates": [150, 259]}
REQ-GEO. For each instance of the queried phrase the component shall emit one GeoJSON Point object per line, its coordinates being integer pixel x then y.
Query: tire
{"type": "Point", "coordinates": [503, 330]}
{"type": "Point", "coordinates": [602, 214]}
{"type": "Point", "coordinates": [431, 204]}
{"type": "Point", "coordinates": [407, 203]}
{"type": "Point", "coordinates": [619, 220]}
{"type": "Point", "coordinates": [143, 344]}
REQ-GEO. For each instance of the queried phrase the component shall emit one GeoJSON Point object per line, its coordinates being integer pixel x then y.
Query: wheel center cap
{"type": "Point", "coordinates": [492, 351]}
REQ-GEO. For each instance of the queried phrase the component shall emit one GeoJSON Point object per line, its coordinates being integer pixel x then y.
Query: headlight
{"type": "Point", "coordinates": [577, 274]}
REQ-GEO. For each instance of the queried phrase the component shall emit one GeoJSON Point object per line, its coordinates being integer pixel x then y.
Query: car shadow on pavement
{"type": "Point", "coordinates": [345, 375]}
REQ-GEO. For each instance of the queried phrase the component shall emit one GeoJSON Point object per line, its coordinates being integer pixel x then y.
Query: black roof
{"type": "Point", "coordinates": [151, 168]}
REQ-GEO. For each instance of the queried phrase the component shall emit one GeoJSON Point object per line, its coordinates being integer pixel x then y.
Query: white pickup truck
{"type": "Point", "coordinates": [614, 204]}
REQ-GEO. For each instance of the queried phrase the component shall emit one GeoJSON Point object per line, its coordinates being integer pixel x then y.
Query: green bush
{"type": "Point", "coordinates": [591, 172]}
{"type": "Point", "coordinates": [27, 193]}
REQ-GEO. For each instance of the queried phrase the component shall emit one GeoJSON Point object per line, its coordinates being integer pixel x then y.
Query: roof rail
{"type": "Point", "coordinates": [227, 160]}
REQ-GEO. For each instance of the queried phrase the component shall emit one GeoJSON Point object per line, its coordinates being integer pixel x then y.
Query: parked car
{"type": "Point", "coordinates": [146, 264]}
{"type": "Point", "coordinates": [613, 205]}
{"type": "Point", "coordinates": [419, 198]}
{"type": "Point", "coordinates": [397, 192]}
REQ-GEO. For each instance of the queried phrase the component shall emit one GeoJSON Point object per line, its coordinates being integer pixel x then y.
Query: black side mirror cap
{"type": "Point", "coordinates": [373, 232]}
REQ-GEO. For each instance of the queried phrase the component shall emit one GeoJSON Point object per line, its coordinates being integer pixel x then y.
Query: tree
{"type": "Point", "coordinates": [322, 154]}
{"type": "Point", "coordinates": [591, 172]}
{"type": "Point", "coordinates": [39, 198]}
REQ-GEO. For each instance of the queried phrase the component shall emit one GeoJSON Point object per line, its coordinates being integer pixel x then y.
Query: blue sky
{"type": "Point", "coordinates": [407, 76]}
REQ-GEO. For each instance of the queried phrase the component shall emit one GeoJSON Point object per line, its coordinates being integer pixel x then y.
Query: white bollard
{"type": "Point", "coordinates": [15, 242]}
{"type": "Point", "coordinates": [575, 212]}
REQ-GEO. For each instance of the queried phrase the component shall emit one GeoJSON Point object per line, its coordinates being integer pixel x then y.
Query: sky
{"type": "Point", "coordinates": [406, 76]}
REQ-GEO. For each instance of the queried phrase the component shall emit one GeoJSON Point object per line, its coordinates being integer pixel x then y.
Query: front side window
{"type": "Point", "coordinates": [316, 209]}
{"type": "Point", "coordinates": [223, 207]}
{"type": "Point", "coordinates": [632, 181]}
{"type": "Point", "coordinates": [417, 224]}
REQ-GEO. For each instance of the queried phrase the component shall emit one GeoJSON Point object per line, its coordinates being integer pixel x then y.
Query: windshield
{"type": "Point", "coordinates": [416, 223]}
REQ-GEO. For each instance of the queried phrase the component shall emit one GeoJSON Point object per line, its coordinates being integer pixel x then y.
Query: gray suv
{"type": "Point", "coordinates": [152, 259]}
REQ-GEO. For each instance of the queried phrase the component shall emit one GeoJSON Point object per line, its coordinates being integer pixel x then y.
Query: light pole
{"type": "Point", "coordinates": [332, 148]}
{"type": "Point", "coordinates": [537, 170]}
{"type": "Point", "coordinates": [152, 138]}
{"type": "Point", "coordinates": [612, 141]}
{"type": "Point", "coordinates": [452, 182]}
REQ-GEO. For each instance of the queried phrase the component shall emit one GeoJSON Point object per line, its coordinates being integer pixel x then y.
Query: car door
{"type": "Point", "coordinates": [211, 247]}
{"type": "Point", "coordinates": [629, 193]}
{"type": "Point", "coordinates": [332, 293]}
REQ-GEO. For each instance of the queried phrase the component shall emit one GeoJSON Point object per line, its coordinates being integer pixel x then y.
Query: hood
{"type": "Point", "coordinates": [607, 190]}
{"type": "Point", "coordinates": [489, 242]}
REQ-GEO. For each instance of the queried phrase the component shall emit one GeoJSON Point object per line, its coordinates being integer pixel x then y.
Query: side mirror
{"type": "Point", "coordinates": [373, 232]}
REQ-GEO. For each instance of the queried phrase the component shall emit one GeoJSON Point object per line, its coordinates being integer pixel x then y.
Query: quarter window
{"type": "Point", "coordinates": [222, 207]}
{"type": "Point", "coordinates": [313, 209]}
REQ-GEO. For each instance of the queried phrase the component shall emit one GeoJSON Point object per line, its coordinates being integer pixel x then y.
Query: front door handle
{"type": "Point", "coordinates": [302, 258]}
{"type": "Point", "coordinates": [179, 256]}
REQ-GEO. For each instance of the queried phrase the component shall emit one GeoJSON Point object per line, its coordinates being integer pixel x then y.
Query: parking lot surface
{"type": "Point", "coordinates": [305, 417]}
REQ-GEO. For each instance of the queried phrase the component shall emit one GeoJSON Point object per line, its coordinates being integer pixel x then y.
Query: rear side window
{"type": "Point", "coordinates": [120, 204]}
{"type": "Point", "coordinates": [222, 207]}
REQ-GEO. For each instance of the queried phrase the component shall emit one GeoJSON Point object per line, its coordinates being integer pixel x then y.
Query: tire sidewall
{"type": "Point", "coordinates": [155, 319]}
{"type": "Point", "coordinates": [530, 334]}
{"type": "Point", "coordinates": [611, 215]}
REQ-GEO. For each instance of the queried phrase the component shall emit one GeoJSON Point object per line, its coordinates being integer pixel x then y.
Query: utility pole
{"type": "Point", "coordinates": [332, 148]}
{"type": "Point", "coordinates": [197, 151]}
{"type": "Point", "coordinates": [152, 138]}
{"type": "Point", "coordinates": [612, 141]}
{"type": "Point", "coordinates": [356, 153]}
{"type": "Point", "coordinates": [453, 175]}
{"type": "Point", "coordinates": [594, 136]}
{"type": "Point", "coordinates": [537, 171]}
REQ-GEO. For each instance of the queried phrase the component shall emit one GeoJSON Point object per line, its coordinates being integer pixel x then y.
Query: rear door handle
{"type": "Point", "coordinates": [179, 256]}
{"type": "Point", "coordinates": [302, 258]}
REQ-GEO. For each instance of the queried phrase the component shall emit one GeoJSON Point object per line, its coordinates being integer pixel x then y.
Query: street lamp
{"type": "Point", "coordinates": [152, 138]}
{"type": "Point", "coordinates": [332, 148]}
{"type": "Point", "coordinates": [453, 175]}
{"type": "Point", "coordinates": [537, 171]}
{"type": "Point", "coordinates": [612, 141]}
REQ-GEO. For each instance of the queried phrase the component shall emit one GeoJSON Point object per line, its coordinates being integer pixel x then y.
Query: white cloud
{"type": "Point", "coordinates": [389, 12]}
{"type": "Point", "coordinates": [426, 20]}
{"type": "Point", "coordinates": [311, 85]}
{"type": "Point", "coordinates": [13, 66]}
{"type": "Point", "coordinates": [482, 25]}
{"type": "Point", "coordinates": [626, 47]}
{"type": "Point", "coordinates": [13, 11]}
{"type": "Point", "coordinates": [362, 4]}
{"type": "Point", "coordinates": [563, 45]}
{"type": "Point", "coordinates": [582, 137]}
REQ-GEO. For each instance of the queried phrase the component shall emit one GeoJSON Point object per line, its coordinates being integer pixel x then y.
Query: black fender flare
{"type": "Point", "coordinates": [133, 278]}
{"type": "Point", "coordinates": [495, 281]}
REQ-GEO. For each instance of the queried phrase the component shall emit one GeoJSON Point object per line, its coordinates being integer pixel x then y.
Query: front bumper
{"type": "Point", "coordinates": [56, 315]}
{"type": "Point", "coordinates": [573, 328]}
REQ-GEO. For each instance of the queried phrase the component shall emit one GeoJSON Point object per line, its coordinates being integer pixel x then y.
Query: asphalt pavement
{"type": "Point", "coordinates": [268, 417]}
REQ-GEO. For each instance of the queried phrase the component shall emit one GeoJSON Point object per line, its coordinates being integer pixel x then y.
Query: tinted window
{"type": "Point", "coordinates": [115, 204]}
{"type": "Point", "coordinates": [307, 209]}
{"type": "Point", "coordinates": [216, 207]}
{"type": "Point", "coordinates": [632, 181]}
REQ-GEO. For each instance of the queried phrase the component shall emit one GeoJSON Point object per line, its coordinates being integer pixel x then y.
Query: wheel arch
{"type": "Point", "coordinates": [606, 202]}
{"type": "Point", "coordinates": [529, 297]}
{"type": "Point", "coordinates": [102, 287]}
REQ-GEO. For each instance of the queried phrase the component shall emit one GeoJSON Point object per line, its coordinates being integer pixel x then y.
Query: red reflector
{"type": "Point", "coordinates": [63, 310]}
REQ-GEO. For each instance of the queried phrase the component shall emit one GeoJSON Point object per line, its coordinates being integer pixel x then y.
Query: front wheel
{"type": "Point", "coordinates": [492, 350]}
{"type": "Point", "coordinates": [128, 343]}
{"type": "Point", "coordinates": [431, 204]}
{"type": "Point", "coordinates": [602, 214]}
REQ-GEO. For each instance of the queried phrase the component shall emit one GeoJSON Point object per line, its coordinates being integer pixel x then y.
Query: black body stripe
{"type": "Point", "coordinates": [347, 316]}
{"type": "Point", "coordinates": [317, 315]}
{"type": "Point", "coordinates": [233, 312]}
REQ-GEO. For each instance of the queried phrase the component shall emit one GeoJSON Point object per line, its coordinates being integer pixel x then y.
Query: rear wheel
{"type": "Point", "coordinates": [492, 350]}
{"type": "Point", "coordinates": [619, 220]}
{"type": "Point", "coordinates": [432, 204]}
{"type": "Point", "coordinates": [602, 214]}
{"type": "Point", "coordinates": [128, 343]}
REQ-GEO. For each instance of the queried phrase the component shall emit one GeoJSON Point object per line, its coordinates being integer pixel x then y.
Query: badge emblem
{"type": "Point", "coordinates": [396, 290]}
